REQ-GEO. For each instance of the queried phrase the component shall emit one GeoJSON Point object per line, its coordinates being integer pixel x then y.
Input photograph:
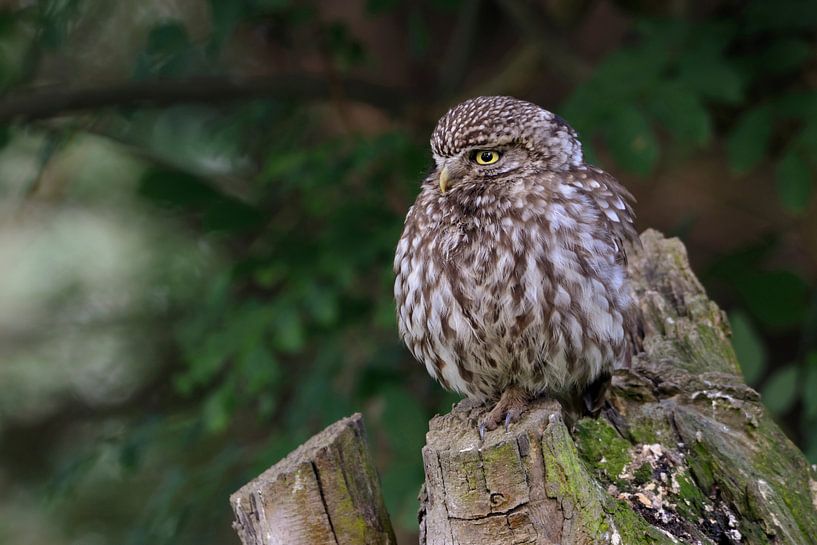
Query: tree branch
{"type": "Point", "coordinates": [55, 101]}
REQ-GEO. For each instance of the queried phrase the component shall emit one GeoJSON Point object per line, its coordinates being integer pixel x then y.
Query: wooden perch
{"type": "Point", "coordinates": [522, 486]}
{"type": "Point", "coordinates": [326, 491]}
{"type": "Point", "coordinates": [688, 455]}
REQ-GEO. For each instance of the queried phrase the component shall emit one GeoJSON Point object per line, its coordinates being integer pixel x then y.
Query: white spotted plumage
{"type": "Point", "coordinates": [515, 276]}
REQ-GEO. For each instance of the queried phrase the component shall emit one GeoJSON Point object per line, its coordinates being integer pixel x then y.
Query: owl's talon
{"type": "Point", "coordinates": [508, 409]}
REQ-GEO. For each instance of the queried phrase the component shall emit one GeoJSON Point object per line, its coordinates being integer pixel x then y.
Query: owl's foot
{"type": "Point", "coordinates": [508, 409]}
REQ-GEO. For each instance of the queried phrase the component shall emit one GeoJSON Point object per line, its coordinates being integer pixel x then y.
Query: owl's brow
{"type": "Point", "coordinates": [487, 146]}
{"type": "Point", "coordinates": [501, 141]}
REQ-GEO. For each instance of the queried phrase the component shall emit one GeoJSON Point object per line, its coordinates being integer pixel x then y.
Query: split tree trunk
{"type": "Point", "coordinates": [326, 491]}
{"type": "Point", "coordinates": [689, 454]}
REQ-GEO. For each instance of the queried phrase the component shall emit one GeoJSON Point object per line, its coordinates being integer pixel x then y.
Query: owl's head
{"type": "Point", "coordinates": [485, 139]}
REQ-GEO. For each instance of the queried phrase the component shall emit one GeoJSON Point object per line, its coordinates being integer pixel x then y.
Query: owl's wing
{"type": "Point", "coordinates": [616, 225]}
{"type": "Point", "coordinates": [616, 206]}
{"type": "Point", "coordinates": [620, 201]}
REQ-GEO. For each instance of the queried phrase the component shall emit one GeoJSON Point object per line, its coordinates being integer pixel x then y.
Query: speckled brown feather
{"type": "Point", "coordinates": [515, 277]}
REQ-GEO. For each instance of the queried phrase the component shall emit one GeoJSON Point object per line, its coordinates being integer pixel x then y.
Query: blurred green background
{"type": "Point", "coordinates": [200, 202]}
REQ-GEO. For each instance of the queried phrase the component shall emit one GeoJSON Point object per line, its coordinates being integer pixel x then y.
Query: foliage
{"type": "Point", "coordinates": [258, 307]}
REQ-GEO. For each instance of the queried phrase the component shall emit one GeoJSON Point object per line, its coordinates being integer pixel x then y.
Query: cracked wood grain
{"type": "Point", "coordinates": [326, 491]}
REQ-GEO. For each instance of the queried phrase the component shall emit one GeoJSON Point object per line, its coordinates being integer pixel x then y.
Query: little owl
{"type": "Point", "coordinates": [511, 277]}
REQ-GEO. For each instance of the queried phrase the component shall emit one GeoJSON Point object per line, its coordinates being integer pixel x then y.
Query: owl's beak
{"type": "Point", "coordinates": [444, 177]}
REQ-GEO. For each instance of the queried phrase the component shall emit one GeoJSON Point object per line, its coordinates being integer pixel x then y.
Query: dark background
{"type": "Point", "coordinates": [200, 202]}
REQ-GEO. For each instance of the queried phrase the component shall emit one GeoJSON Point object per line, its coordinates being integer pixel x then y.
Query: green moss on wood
{"type": "Point", "coordinates": [643, 474]}
{"type": "Point", "coordinates": [756, 472]}
{"type": "Point", "coordinates": [597, 517]}
{"type": "Point", "coordinates": [647, 423]}
{"type": "Point", "coordinates": [632, 528]}
{"type": "Point", "coordinates": [690, 502]}
{"type": "Point", "coordinates": [601, 447]}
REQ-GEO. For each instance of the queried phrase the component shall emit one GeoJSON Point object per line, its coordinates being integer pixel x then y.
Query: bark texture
{"type": "Point", "coordinates": [326, 491]}
{"type": "Point", "coordinates": [688, 456]}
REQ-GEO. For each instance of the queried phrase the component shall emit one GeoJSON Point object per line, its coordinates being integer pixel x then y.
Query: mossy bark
{"type": "Point", "coordinates": [689, 455]}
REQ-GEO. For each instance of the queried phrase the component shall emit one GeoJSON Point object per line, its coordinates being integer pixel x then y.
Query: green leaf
{"type": "Point", "coordinates": [749, 347]}
{"type": "Point", "coordinates": [259, 368]}
{"type": "Point", "coordinates": [784, 16]}
{"type": "Point", "coordinates": [783, 56]}
{"type": "Point", "coordinates": [271, 6]}
{"type": "Point", "coordinates": [811, 443]}
{"type": "Point", "coordinates": [780, 391]}
{"type": "Point", "coordinates": [168, 52]}
{"type": "Point", "coordinates": [731, 265]}
{"type": "Point", "coordinates": [288, 332]}
{"type": "Point", "coordinates": [171, 188]}
{"type": "Point", "coordinates": [625, 75]}
{"type": "Point", "coordinates": [796, 105]}
{"type": "Point", "coordinates": [404, 420]}
{"type": "Point", "coordinates": [218, 408]}
{"type": "Point", "coordinates": [584, 112]}
{"type": "Point", "coordinates": [322, 304]}
{"type": "Point", "coordinates": [225, 15]}
{"type": "Point", "coordinates": [181, 191]}
{"type": "Point", "coordinates": [204, 360]}
{"type": "Point", "coordinates": [346, 50]}
{"type": "Point", "coordinates": [794, 183]}
{"type": "Point", "coordinates": [5, 135]}
{"type": "Point", "coordinates": [712, 76]}
{"type": "Point", "coordinates": [806, 140]}
{"type": "Point", "coordinates": [779, 299]}
{"type": "Point", "coordinates": [749, 141]}
{"type": "Point", "coordinates": [449, 5]}
{"type": "Point", "coordinates": [167, 37]}
{"type": "Point", "coordinates": [377, 7]}
{"type": "Point", "coordinates": [632, 140]}
{"type": "Point", "coordinates": [419, 34]}
{"type": "Point", "coordinates": [683, 114]}
{"type": "Point", "coordinates": [405, 424]}
{"type": "Point", "coordinates": [809, 385]}
{"type": "Point", "coordinates": [56, 19]}
{"type": "Point", "coordinates": [16, 44]}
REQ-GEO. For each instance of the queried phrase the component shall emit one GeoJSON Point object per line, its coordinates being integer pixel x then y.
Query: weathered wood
{"type": "Point", "coordinates": [325, 492]}
{"type": "Point", "coordinates": [527, 485]}
{"type": "Point", "coordinates": [689, 455]}
{"type": "Point", "coordinates": [693, 456]}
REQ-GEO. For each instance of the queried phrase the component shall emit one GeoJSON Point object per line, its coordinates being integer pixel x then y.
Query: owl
{"type": "Point", "coordinates": [510, 274]}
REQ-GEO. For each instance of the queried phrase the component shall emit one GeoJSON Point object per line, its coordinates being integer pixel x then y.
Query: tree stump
{"type": "Point", "coordinates": [326, 491]}
{"type": "Point", "coordinates": [527, 485]}
{"type": "Point", "coordinates": [689, 455]}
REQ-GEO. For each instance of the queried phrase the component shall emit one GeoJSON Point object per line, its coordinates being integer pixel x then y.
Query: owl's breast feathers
{"type": "Point", "coordinates": [517, 283]}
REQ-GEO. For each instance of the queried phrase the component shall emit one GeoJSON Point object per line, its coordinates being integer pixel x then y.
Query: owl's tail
{"type": "Point", "coordinates": [587, 401]}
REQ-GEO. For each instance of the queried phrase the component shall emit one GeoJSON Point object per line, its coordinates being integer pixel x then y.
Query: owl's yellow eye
{"type": "Point", "coordinates": [486, 157]}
